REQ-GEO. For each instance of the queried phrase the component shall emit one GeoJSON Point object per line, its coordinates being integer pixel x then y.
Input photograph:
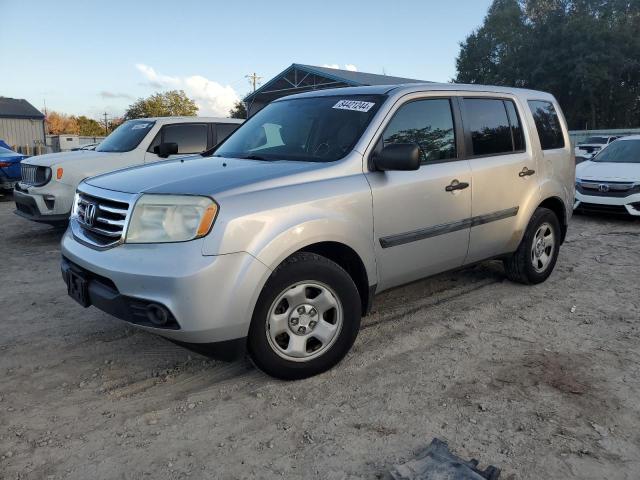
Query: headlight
{"type": "Point", "coordinates": [170, 218]}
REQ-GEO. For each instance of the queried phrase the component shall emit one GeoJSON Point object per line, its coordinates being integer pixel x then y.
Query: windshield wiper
{"type": "Point", "coordinates": [256, 157]}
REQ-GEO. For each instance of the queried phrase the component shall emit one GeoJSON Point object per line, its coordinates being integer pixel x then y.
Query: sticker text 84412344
{"type": "Point", "coordinates": [355, 105]}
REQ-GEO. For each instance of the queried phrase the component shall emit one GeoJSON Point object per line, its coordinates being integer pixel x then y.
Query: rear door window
{"type": "Point", "coordinates": [190, 137]}
{"type": "Point", "coordinates": [547, 124]}
{"type": "Point", "coordinates": [428, 124]}
{"type": "Point", "coordinates": [488, 123]}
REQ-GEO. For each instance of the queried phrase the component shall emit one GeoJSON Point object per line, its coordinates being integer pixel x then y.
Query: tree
{"type": "Point", "coordinates": [59, 123]}
{"type": "Point", "coordinates": [238, 110]}
{"type": "Point", "coordinates": [89, 127]}
{"type": "Point", "coordinates": [165, 104]}
{"type": "Point", "coordinates": [585, 52]}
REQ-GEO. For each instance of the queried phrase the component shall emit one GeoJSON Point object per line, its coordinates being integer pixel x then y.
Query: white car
{"type": "Point", "coordinates": [45, 193]}
{"type": "Point", "coordinates": [591, 146]}
{"type": "Point", "coordinates": [610, 182]}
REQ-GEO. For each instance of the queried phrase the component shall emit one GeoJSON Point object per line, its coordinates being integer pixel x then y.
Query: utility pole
{"type": "Point", "coordinates": [254, 79]}
{"type": "Point", "coordinates": [46, 117]}
{"type": "Point", "coordinates": [106, 125]}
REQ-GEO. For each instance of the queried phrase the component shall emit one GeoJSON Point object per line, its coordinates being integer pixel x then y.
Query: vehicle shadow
{"type": "Point", "coordinates": [36, 235]}
{"type": "Point", "coordinates": [617, 219]}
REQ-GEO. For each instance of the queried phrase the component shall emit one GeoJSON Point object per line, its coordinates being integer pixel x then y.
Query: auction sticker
{"type": "Point", "coordinates": [355, 105]}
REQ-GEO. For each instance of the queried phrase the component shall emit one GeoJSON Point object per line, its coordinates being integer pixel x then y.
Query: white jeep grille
{"type": "Point", "coordinates": [34, 175]}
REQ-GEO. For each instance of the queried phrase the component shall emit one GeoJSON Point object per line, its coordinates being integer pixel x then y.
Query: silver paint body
{"type": "Point", "coordinates": [270, 210]}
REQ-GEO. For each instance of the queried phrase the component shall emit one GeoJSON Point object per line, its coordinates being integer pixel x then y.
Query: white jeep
{"type": "Point", "coordinates": [45, 193]}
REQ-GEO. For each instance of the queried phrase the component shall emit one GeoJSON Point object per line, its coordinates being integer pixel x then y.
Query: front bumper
{"type": "Point", "coordinates": [629, 205]}
{"type": "Point", "coordinates": [7, 183]}
{"type": "Point", "coordinates": [27, 207]}
{"type": "Point", "coordinates": [48, 204]}
{"type": "Point", "coordinates": [211, 298]}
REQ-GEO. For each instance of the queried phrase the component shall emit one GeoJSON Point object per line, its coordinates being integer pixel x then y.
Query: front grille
{"type": "Point", "coordinates": [101, 221]}
{"type": "Point", "coordinates": [604, 188]}
{"type": "Point", "coordinates": [34, 175]}
{"type": "Point", "coordinates": [601, 208]}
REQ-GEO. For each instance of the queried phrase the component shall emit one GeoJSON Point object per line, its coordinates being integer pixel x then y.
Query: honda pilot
{"type": "Point", "coordinates": [276, 241]}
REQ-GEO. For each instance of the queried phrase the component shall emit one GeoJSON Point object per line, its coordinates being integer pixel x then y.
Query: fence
{"type": "Point", "coordinates": [578, 136]}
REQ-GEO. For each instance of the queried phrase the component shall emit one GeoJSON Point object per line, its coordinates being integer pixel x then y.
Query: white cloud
{"type": "Point", "coordinates": [349, 66]}
{"type": "Point", "coordinates": [211, 97]}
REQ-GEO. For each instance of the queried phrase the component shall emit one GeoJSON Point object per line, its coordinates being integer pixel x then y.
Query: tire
{"type": "Point", "coordinates": [525, 265]}
{"type": "Point", "coordinates": [306, 318]}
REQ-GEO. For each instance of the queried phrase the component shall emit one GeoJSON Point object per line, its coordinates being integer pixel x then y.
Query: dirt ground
{"type": "Point", "coordinates": [541, 381]}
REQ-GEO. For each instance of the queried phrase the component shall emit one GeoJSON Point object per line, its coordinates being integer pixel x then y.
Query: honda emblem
{"type": "Point", "coordinates": [90, 211]}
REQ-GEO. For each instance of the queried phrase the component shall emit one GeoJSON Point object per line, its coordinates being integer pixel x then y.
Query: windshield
{"type": "Point", "coordinates": [595, 140]}
{"type": "Point", "coordinates": [126, 137]}
{"type": "Point", "coordinates": [622, 151]}
{"type": "Point", "coordinates": [313, 129]}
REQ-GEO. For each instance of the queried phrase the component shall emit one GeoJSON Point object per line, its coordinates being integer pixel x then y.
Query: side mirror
{"type": "Point", "coordinates": [398, 156]}
{"type": "Point", "coordinates": [165, 149]}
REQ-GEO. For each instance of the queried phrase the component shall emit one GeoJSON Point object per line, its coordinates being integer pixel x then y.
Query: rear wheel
{"type": "Point", "coordinates": [306, 318]}
{"type": "Point", "coordinates": [537, 254]}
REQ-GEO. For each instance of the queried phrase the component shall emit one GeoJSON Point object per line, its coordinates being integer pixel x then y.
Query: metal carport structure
{"type": "Point", "coordinates": [303, 78]}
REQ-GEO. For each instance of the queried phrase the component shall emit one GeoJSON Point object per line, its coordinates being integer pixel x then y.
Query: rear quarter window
{"type": "Point", "coordinates": [547, 124]}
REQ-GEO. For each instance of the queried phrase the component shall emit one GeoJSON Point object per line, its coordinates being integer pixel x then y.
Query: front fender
{"type": "Point", "coordinates": [272, 234]}
{"type": "Point", "coordinates": [272, 251]}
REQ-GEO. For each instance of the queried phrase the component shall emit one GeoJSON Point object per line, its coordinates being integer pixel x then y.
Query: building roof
{"type": "Point", "coordinates": [18, 108]}
{"type": "Point", "coordinates": [299, 78]}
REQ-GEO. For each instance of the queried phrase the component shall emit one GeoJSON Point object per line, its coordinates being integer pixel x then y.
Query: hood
{"type": "Point", "coordinates": [197, 175]}
{"type": "Point", "coordinates": [11, 157]}
{"type": "Point", "coordinates": [65, 158]}
{"type": "Point", "coordinates": [608, 171]}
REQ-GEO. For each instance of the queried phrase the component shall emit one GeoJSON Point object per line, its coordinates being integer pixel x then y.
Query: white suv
{"type": "Point", "coordinates": [49, 182]}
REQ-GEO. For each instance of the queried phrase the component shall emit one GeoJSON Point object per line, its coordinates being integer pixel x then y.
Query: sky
{"type": "Point", "coordinates": [87, 58]}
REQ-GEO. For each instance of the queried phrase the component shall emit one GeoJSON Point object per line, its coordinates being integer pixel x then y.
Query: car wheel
{"type": "Point", "coordinates": [537, 254]}
{"type": "Point", "coordinates": [306, 318]}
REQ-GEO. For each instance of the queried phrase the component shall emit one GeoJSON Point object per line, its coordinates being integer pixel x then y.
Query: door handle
{"type": "Point", "coordinates": [456, 185]}
{"type": "Point", "coordinates": [526, 172]}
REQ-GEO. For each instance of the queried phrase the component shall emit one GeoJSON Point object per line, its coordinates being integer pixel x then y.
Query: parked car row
{"type": "Point", "coordinates": [591, 146]}
{"type": "Point", "coordinates": [273, 239]}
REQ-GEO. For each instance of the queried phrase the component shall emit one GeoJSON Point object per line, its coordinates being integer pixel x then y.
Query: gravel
{"type": "Point", "coordinates": [540, 381]}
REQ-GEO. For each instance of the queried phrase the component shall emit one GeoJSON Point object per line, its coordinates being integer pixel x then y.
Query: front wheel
{"type": "Point", "coordinates": [306, 318]}
{"type": "Point", "coordinates": [537, 254]}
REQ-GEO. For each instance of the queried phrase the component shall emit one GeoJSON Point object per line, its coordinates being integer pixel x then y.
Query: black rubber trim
{"type": "Point", "coordinates": [372, 293]}
{"type": "Point", "coordinates": [423, 233]}
{"type": "Point", "coordinates": [104, 295]}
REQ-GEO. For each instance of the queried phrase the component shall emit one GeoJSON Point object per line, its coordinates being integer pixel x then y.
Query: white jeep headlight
{"type": "Point", "coordinates": [170, 218]}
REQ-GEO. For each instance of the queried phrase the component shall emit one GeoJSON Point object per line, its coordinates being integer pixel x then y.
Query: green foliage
{"type": "Point", "coordinates": [89, 127]}
{"type": "Point", "coordinates": [585, 52]}
{"type": "Point", "coordinates": [238, 111]}
{"type": "Point", "coordinates": [165, 104]}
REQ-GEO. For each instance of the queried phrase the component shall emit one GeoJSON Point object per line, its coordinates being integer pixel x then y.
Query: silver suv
{"type": "Point", "coordinates": [276, 241]}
